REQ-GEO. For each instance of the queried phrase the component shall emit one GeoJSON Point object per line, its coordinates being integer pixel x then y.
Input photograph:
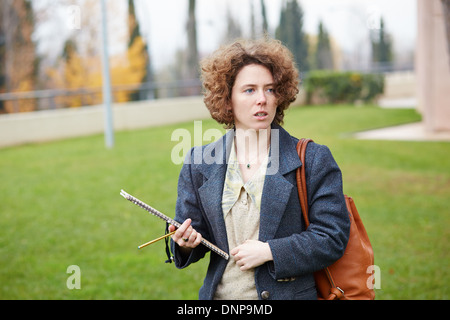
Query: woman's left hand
{"type": "Point", "coordinates": [251, 254]}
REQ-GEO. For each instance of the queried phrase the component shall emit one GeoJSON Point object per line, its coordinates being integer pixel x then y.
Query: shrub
{"type": "Point", "coordinates": [342, 87]}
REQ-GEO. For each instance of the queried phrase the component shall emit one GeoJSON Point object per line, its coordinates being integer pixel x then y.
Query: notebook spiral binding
{"type": "Point", "coordinates": [162, 216]}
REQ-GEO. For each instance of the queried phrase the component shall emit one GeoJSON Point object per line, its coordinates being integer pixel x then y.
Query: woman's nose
{"type": "Point", "coordinates": [261, 98]}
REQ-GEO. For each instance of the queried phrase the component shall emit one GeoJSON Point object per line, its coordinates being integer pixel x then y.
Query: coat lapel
{"type": "Point", "coordinates": [277, 189]}
{"type": "Point", "coordinates": [212, 189]}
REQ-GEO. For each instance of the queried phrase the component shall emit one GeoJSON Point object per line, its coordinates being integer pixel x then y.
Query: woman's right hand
{"type": "Point", "coordinates": [186, 236]}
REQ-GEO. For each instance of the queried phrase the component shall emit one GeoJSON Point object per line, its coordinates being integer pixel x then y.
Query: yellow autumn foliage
{"type": "Point", "coordinates": [75, 76]}
{"type": "Point", "coordinates": [84, 74]}
{"type": "Point", "coordinates": [22, 105]}
{"type": "Point", "coordinates": [132, 71]}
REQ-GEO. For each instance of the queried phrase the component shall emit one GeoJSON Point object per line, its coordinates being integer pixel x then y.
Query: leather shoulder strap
{"type": "Point", "coordinates": [301, 178]}
{"type": "Point", "coordinates": [302, 194]}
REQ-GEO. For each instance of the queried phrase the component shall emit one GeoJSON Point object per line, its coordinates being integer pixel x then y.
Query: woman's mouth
{"type": "Point", "coordinates": [261, 115]}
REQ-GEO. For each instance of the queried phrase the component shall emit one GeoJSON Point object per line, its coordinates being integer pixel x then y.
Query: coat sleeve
{"type": "Point", "coordinates": [188, 206]}
{"type": "Point", "coordinates": [326, 238]}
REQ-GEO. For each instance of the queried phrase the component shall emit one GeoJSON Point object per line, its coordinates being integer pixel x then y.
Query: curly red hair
{"type": "Point", "coordinates": [219, 72]}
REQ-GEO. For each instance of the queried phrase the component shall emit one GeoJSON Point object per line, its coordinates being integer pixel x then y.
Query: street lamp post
{"type": "Point", "coordinates": [108, 118]}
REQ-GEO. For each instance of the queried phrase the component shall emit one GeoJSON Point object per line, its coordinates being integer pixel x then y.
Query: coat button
{"type": "Point", "coordinates": [265, 295]}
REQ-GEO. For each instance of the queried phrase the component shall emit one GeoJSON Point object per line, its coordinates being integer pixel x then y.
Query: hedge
{"type": "Point", "coordinates": [342, 87]}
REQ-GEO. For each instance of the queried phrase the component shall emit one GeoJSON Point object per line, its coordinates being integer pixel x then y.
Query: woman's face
{"type": "Point", "coordinates": [253, 98]}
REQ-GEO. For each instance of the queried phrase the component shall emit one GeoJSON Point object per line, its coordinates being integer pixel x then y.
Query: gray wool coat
{"type": "Point", "coordinates": [296, 252]}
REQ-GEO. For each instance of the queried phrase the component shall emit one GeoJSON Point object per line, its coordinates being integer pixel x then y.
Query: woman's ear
{"type": "Point", "coordinates": [229, 108]}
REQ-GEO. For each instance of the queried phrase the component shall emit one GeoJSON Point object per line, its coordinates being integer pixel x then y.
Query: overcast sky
{"type": "Point", "coordinates": [348, 21]}
{"type": "Point", "coordinates": [163, 23]}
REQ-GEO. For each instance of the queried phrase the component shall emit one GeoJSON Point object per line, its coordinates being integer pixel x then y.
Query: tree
{"type": "Point", "coordinates": [18, 62]}
{"type": "Point", "coordinates": [192, 56]}
{"type": "Point", "coordinates": [382, 47]}
{"type": "Point", "coordinates": [136, 42]}
{"type": "Point", "coordinates": [2, 58]}
{"type": "Point", "coordinates": [265, 25]}
{"type": "Point", "coordinates": [290, 32]}
{"type": "Point", "coordinates": [192, 51]}
{"type": "Point", "coordinates": [323, 55]}
{"type": "Point", "coordinates": [256, 32]}
{"type": "Point", "coordinates": [79, 66]}
{"type": "Point", "coordinates": [75, 73]}
{"type": "Point", "coordinates": [252, 21]}
{"type": "Point", "coordinates": [234, 30]}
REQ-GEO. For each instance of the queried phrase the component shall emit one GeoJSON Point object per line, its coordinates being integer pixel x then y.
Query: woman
{"type": "Point", "coordinates": [246, 201]}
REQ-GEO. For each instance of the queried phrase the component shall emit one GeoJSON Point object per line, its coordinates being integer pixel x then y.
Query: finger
{"type": "Point", "coordinates": [244, 268]}
{"type": "Point", "coordinates": [192, 236]}
{"type": "Point", "coordinates": [172, 228]}
{"type": "Point", "coordinates": [187, 234]}
{"type": "Point", "coordinates": [197, 240]}
{"type": "Point", "coordinates": [182, 229]}
{"type": "Point", "coordinates": [181, 242]}
{"type": "Point", "coordinates": [241, 265]}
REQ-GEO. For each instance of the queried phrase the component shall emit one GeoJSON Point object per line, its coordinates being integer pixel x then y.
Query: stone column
{"type": "Point", "coordinates": [433, 66]}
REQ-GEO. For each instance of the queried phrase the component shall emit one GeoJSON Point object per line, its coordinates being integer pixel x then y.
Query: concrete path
{"type": "Point", "coordinates": [408, 132]}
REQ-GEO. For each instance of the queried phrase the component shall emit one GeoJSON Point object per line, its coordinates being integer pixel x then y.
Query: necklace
{"type": "Point", "coordinates": [252, 161]}
{"type": "Point", "coordinates": [248, 165]}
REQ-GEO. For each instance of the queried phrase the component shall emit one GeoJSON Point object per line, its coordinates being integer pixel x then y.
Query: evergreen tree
{"type": "Point", "coordinates": [382, 47]}
{"type": "Point", "coordinates": [324, 56]}
{"type": "Point", "coordinates": [290, 32]}
{"type": "Point", "coordinates": [135, 37]}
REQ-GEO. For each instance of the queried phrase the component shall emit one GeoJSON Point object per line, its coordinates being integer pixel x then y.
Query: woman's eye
{"type": "Point", "coordinates": [250, 90]}
{"type": "Point", "coordinates": [271, 90]}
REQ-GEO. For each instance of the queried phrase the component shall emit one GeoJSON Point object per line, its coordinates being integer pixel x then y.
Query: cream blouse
{"type": "Point", "coordinates": [241, 208]}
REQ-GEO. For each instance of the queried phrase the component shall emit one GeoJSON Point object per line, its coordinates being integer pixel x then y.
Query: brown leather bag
{"type": "Point", "coordinates": [351, 276]}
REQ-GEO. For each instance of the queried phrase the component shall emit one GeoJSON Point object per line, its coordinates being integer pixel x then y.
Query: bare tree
{"type": "Point", "coordinates": [192, 57]}
{"type": "Point", "coordinates": [18, 62]}
{"type": "Point", "coordinates": [264, 18]}
{"type": "Point", "coordinates": [234, 29]}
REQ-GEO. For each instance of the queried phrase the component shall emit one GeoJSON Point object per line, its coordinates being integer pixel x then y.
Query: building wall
{"type": "Point", "coordinates": [40, 126]}
{"type": "Point", "coordinates": [433, 66]}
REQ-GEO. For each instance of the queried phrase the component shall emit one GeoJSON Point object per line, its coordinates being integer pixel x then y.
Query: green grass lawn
{"type": "Point", "coordinates": [60, 206]}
